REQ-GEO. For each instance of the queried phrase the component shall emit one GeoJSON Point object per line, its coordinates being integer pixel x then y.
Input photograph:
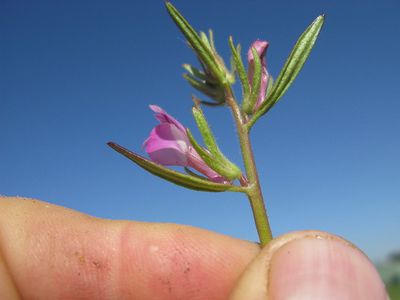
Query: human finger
{"type": "Point", "coordinates": [50, 252]}
{"type": "Point", "coordinates": [310, 265]}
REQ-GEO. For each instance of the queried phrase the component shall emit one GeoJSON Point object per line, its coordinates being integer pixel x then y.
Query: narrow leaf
{"type": "Point", "coordinates": [293, 65]}
{"type": "Point", "coordinates": [211, 39]}
{"type": "Point", "coordinates": [194, 72]}
{"type": "Point", "coordinates": [202, 50]}
{"type": "Point", "coordinates": [190, 182]}
{"type": "Point", "coordinates": [239, 67]}
{"type": "Point", "coordinates": [211, 104]}
{"type": "Point", "coordinates": [217, 165]}
{"type": "Point", "coordinates": [210, 91]}
{"type": "Point", "coordinates": [205, 130]}
{"type": "Point", "coordinates": [269, 86]}
{"type": "Point", "coordinates": [249, 103]}
{"type": "Point", "coordinates": [217, 158]}
{"type": "Point", "coordinates": [204, 38]}
{"type": "Point", "coordinates": [198, 101]}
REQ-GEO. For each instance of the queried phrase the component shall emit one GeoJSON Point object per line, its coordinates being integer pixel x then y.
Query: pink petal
{"type": "Point", "coordinates": [167, 145]}
{"type": "Point", "coordinates": [168, 157]}
{"type": "Point", "coordinates": [162, 116]}
{"type": "Point", "coordinates": [263, 87]}
{"type": "Point", "coordinates": [261, 48]}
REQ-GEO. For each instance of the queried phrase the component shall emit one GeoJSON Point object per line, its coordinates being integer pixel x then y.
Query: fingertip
{"type": "Point", "coordinates": [310, 265]}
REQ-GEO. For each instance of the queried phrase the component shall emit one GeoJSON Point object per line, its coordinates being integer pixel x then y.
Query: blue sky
{"type": "Point", "coordinates": [77, 74]}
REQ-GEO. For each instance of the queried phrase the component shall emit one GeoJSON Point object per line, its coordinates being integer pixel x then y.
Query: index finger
{"type": "Point", "coordinates": [50, 252]}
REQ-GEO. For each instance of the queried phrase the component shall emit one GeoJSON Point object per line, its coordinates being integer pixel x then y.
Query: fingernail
{"type": "Point", "coordinates": [319, 267]}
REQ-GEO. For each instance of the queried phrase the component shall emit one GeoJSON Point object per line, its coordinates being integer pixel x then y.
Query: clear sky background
{"type": "Point", "coordinates": [77, 74]}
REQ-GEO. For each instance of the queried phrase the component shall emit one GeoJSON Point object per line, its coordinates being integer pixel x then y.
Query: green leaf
{"type": "Point", "coordinates": [195, 72]}
{"type": "Point", "coordinates": [217, 160]}
{"type": "Point", "coordinates": [270, 84]}
{"type": "Point", "coordinates": [211, 104]}
{"type": "Point", "coordinates": [211, 39]}
{"type": "Point", "coordinates": [249, 103]}
{"type": "Point", "coordinates": [197, 43]}
{"type": "Point", "coordinates": [204, 154]}
{"type": "Point", "coordinates": [190, 182]}
{"type": "Point", "coordinates": [204, 38]}
{"type": "Point", "coordinates": [217, 165]}
{"type": "Point", "coordinates": [205, 130]}
{"type": "Point", "coordinates": [211, 91]}
{"type": "Point", "coordinates": [292, 67]}
{"type": "Point", "coordinates": [198, 101]}
{"type": "Point", "coordinates": [239, 67]}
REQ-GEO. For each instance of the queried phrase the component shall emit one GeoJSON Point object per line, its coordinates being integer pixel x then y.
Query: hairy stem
{"type": "Point", "coordinates": [253, 189]}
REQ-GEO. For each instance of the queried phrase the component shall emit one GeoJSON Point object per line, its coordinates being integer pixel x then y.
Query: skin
{"type": "Point", "coordinates": [51, 252]}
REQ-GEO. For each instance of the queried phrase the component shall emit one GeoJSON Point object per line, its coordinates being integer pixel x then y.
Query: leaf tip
{"type": "Point", "coordinates": [196, 101]}
{"type": "Point", "coordinates": [114, 146]}
{"type": "Point", "coordinates": [169, 6]}
{"type": "Point", "coordinates": [320, 18]}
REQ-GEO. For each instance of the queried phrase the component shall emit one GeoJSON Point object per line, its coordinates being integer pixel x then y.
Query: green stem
{"type": "Point", "coordinates": [253, 189]}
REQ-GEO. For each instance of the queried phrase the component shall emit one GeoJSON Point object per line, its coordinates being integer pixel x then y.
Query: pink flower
{"type": "Point", "coordinates": [169, 145]}
{"type": "Point", "coordinates": [261, 48]}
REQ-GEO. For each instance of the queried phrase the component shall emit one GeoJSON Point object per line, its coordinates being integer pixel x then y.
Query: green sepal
{"type": "Point", "coordinates": [214, 92]}
{"type": "Point", "coordinates": [205, 40]}
{"type": "Point", "coordinates": [206, 103]}
{"type": "Point", "coordinates": [216, 164]}
{"type": "Point", "coordinates": [195, 72]}
{"type": "Point", "coordinates": [211, 40]}
{"type": "Point", "coordinates": [197, 43]}
{"type": "Point", "coordinates": [216, 159]}
{"type": "Point", "coordinates": [204, 129]}
{"type": "Point", "coordinates": [240, 69]}
{"type": "Point", "coordinates": [270, 84]}
{"type": "Point", "coordinates": [187, 181]}
{"type": "Point", "coordinates": [211, 104]}
{"type": "Point", "coordinates": [248, 103]}
{"type": "Point", "coordinates": [229, 76]}
{"type": "Point", "coordinates": [292, 67]}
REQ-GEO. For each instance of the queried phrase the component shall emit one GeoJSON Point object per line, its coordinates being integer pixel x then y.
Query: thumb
{"type": "Point", "coordinates": [310, 265]}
